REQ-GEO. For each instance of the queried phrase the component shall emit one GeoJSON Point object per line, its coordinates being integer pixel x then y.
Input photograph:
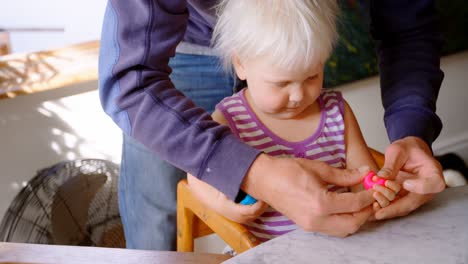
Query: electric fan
{"type": "Point", "coordinates": [70, 203]}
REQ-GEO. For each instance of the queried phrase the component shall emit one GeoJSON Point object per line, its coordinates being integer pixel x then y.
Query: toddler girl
{"type": "Point", "coordinates": [280, 47]}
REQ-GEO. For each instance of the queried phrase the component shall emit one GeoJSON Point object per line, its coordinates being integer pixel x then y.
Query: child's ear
{"type": "Point", "coordinates": [238, 67]}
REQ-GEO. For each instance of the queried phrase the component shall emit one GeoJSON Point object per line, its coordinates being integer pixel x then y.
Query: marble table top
{"type": "Point", "coordinates": [436, 233]}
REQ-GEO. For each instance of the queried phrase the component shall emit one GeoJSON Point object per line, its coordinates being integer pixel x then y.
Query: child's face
{"type": "Point", "coordinates": [280, 93]}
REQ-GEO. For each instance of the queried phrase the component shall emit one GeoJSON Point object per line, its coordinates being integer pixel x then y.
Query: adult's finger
{"type": "Point", "coordinates": [386, 192]}
{"type": "Point", "coordinates": [395, 187]}
{"type": "Point", "coordinates": [395, 158]}
{"type": "Point", "coordinates": [255, 209]}
{"type": "Point", "coordinates": [431, 181]}
{"type": "Point", "coordinates": [403, 206]}
{"type": "Point", "coordinates": [424, 185]}
{"type": "Point", "coordinates": [342, 225]}
{"type": "Point", "coordinates": [381, 199]}
{"type": "Point", "coordinates": [338, 203]}
{"type": "Point", "coordinates": [343, 177]}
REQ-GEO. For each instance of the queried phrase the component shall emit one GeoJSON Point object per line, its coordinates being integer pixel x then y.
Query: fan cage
{"type": "Point", "coordinates": [69, 203]}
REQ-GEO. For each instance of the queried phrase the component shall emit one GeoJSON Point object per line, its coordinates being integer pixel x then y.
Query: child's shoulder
{"type": "Point", "coordinates": [332, 98]}
{"type": "Point", "coordinates": [331, 94]}
{"type": "Point", "coordinates": [230, 101]}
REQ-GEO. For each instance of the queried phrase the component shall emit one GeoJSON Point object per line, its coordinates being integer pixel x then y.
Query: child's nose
{"type": "Point", "coordinates": [297, 93]}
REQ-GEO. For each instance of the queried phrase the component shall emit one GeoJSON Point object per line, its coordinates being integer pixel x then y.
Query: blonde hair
{"type": "Point", "coordinates": [292, 34]}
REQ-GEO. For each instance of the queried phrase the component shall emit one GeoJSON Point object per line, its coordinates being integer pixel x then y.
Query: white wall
{"type": "Point", "coordinates": [81, 21]}
{"type": "Point", "coordinates": [364, 98]}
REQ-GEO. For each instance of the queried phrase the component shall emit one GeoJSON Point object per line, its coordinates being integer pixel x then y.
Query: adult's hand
{"type": "Point", "coordinates": [411, 163]}
{"type": "Point", "coordinates": [298, 189]}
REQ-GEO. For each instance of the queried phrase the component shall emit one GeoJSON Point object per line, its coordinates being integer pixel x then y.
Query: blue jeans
{"type": "Point", "coordinates": [147, 184]}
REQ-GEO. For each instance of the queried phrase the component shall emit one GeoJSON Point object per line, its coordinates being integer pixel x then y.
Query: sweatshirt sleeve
{"type": "Point", "coordinates": [138, 39]}
{"type": "Point", "coordinates": [408, 48]}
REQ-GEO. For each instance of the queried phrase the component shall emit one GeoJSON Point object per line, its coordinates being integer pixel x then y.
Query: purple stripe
{"type": "Point", "coordinates": [268, 232]}
{"type": "Point", "coordinates": [221, 105]}
{"type": "Point", "coordinates": [329, 95]}
{"type": "Point", "coordinates": [325, 154]}
{"type": "Point", "coordinates": [266, 145]}
{"type": "Point", "coordinates": [245, 121]}
{"type": "Point", "coordinates": [254, 137]}
{"type": "Point", "coordinates": [237, 113]}
{"type": "Point", "coordinates": [275, 153]}
{"type": "Point", "coordinates": [263, 239]}
{"type": "Point", "coordinates": [331, 106]}
{"type": "Point", "coordinates": [326, 144]}
{"type": "Point", "coordinates": [334, 123]}
{"type": "Point", "coordinates": [248, 130]}
{"type": "Point", "coordinates": [274, 223]}
{"type": "Point", "coordinates": [333, 133]}
{"type": "Point", "coordinates": [271, 214]}
{"type": "Point", "coordinates": [232, 105]}
{"type": "Point", "coordinates": [334, 161]}
{"type": "Point", "coordinates": [280, 140]}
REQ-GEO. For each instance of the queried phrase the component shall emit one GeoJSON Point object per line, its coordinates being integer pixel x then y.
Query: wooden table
{"type": "Point", "coordinates": [33, 253]}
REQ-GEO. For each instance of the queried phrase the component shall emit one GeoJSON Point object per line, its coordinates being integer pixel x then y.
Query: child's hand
{"type": "Point", "coordinates": [217, 201]}
{"type": "Point", "coordinates": [385, 194]}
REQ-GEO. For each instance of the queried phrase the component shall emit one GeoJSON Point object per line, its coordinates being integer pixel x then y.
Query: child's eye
{"type": "Point", "coordinates": [282, 84]}
{"type": "Point", "coordinates": [313, 77]}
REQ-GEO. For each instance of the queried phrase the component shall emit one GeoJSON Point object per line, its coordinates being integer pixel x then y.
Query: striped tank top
{"type": "Point", "coordinates": [326, 144]}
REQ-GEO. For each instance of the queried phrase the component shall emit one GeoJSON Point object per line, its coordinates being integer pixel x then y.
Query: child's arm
{"type": "Point", "coordinates": [217, 201]}
{"type": "Point", "coordinates": [357, 155]}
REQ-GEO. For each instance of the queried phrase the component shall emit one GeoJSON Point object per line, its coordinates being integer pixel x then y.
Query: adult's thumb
{"type": "Point", "coordinates": [345, 177]}
{"type": "Point", "coordinates": [395, 158]}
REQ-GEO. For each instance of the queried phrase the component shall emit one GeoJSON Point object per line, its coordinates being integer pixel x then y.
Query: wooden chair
{"type": "Point", "coordinates": [194, 219]}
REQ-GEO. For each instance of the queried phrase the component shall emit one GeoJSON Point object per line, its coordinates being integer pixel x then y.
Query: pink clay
{"type": "Point", "coordinates": [368, 181]}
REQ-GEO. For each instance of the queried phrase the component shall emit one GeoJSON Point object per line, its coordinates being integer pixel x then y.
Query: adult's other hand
{"type": "Point", "coordinates": [411, 163]}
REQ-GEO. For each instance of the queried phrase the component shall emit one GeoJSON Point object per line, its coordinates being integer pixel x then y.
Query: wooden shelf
{"type": "Point", "coordinates": [27, 73]}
